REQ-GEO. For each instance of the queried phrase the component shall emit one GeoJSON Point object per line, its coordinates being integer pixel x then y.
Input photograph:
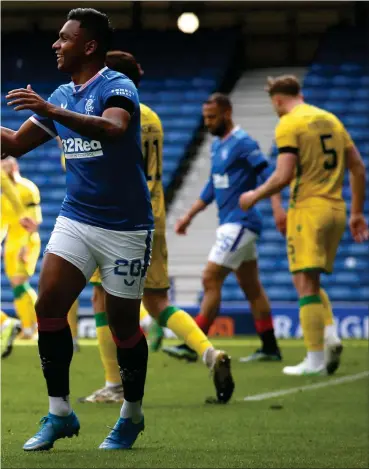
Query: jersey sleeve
{"type": "Point", "coordinates": [286, 137]}
{"type": "Point", "coordinates": [255, 159]}
{"type": "Point", "coordinates": [207, 194]}
{"type": "Point", "coordinates": [11, 193]}
{"type": "Point", "coordinates": [120, 92]}
{"type": "Point", "coordinates": [33, 204]}
{"type": "Point", "coordinates": [46, 123]}
{"type": "Point", "coordinates": [348, 142]}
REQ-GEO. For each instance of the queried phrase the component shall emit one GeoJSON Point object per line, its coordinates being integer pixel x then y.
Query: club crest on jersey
{"type": "Point", "coordinates": [89, 107]}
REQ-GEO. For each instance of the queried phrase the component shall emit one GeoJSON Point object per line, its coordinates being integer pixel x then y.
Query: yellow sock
{"type": "Point", "coordinates": [328, 312]}
{"type": "Point", "coordinates": [73, 319]}
{"type": "Point", "coordinates": [312, 322]}
{"type": "Point", "coordinates": [183, 325]}
{"type": "Point", "coordinates": [107, 349]}
{"type": "Point", "coordinates": [143, 312]}
{"type": "Point", "coordinates": [24, 302]}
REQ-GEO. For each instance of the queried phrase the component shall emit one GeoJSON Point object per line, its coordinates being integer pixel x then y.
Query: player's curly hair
{"type": "Point", "coordinates": [284, 84]}
{"type": "Point", "coordinates": [97, 24]}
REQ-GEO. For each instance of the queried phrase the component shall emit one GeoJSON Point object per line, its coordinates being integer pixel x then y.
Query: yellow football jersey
{"type": "Point", "coordinates": [10, 192]}
{"type": "Point", "coordinates": [319, 139]}
{"type": "Point", "coordinates": [30, 198]}
{"type": "Point", "coordinates": [152, 148]}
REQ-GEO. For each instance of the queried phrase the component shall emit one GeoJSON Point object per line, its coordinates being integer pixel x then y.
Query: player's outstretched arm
{"type": "Point", "coordinates": [18, 142]}
{"type": "Point", "coordinates": [206, 197]}
{"type": "Point", "coordinates": [356, 167]}
{"type": "Point", "coordinates": [280, 178]}
{"type": "Point", "coordinates": [183, 223]}
{"type": "Point", "coordinates": [112, 124]}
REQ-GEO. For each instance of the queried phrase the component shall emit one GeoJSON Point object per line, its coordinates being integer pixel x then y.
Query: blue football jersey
{"type": "Point", "coordinates": [236, 164]}
{"type": "Point", "coordinates": [106, 184]}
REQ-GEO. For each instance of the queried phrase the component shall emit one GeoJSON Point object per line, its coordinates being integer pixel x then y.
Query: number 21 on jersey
{"type": "Point", "coordinates": [152, 158]}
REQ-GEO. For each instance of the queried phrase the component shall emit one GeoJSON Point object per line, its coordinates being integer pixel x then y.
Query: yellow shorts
{"type": "Point", "coordinates": [313, 236]}
{"type": "Point", "coordinates": [157, 274]}
{"type": "Point", "coordinates": [96, 278]}
{"type": "Point", "coordinates": [17, 262]}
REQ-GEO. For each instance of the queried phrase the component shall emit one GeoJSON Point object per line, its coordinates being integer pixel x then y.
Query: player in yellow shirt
{"type": "Point", "coordinates": [22, 244]}
{"type": "Point", "coordinates": [314, 151]}
{"type": "Point", "coordinates": [155, 297]}
{"type": "Point", "coordinates": [9, 326]}
{"type": "Point", "coordinates": [9, 190]}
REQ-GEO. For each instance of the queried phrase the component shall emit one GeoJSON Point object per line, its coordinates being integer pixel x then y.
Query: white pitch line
{"type": "Point", "coordinates": [308, 387]}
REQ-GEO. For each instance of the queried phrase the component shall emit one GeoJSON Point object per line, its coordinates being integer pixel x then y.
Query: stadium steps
{"type": "Point", "coordinates": [191, 250]}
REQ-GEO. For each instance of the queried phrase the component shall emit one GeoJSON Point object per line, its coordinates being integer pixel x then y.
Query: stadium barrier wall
{"type": "Point", "coordinates": [352, 320]}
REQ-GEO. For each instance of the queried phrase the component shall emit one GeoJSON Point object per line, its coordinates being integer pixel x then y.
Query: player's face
{"type": "Point", "coordinates": [215, 119]}
{"type": "Point", "coordinates": [72, 47]}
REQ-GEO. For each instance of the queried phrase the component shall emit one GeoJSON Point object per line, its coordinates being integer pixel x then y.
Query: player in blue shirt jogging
{"type": "Point", "coordinates": [105, 220]}
{"type": "Point", "coordinates": [236, 163]}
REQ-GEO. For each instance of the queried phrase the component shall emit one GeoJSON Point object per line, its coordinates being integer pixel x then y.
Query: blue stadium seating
{"type": "Point", "coordinates": [180, 72]}
{"type": "Point", "coordinates": [338, 81]}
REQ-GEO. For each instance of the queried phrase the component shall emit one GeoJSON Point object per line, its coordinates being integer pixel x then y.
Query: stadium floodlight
{"type": "Point", "coordinates": [188, 23]}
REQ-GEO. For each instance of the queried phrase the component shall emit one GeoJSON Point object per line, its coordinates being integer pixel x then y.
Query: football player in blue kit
{"type": "Point", "coordinates": [236, 163]}
{"type": "Point", "coordinates": [105, 220]}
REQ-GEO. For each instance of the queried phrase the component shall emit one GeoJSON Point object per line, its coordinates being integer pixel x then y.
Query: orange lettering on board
{"type": "Point", "coordinates": [222, 326]}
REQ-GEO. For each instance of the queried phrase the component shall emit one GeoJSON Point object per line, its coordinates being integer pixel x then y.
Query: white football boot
{"type": "Point", "coordinates": [303, 369]}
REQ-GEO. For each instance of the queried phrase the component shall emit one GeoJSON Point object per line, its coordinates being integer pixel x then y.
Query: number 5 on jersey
{"type": "Point", "coordinates": [331, 159]}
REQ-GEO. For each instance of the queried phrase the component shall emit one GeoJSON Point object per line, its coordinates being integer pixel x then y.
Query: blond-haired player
{"type": "Point", "coordinates": [155, 297]}
{"type": "Point", "coordinates": [22, 243]}
{"type": "Point", "coordinates": [314, 151]}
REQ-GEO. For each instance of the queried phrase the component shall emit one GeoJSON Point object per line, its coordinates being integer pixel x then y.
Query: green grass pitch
{"type": "Point", "coordinates": [325, 427]}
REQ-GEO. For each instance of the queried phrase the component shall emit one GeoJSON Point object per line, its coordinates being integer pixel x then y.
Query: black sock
{"type": "Point", "coordinates": [133, 367]}
{"type": "Point", "coordinates": [56, 352]}
{"type": "Point", "coordinates": [269, 341]}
